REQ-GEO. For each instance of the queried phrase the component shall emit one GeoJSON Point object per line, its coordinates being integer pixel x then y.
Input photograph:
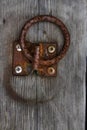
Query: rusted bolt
{"type": "Point", "coordinates": [51, 49]}
{"type": "Point", "coordinates": [18, 47]}
{"type": "Point", "coordinates": [51, 70]}
{"type": "Point", "coordinates": [18, 69]}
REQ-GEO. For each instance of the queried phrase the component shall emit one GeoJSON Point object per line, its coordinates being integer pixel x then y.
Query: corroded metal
{"type": "Point", "coordinates": [40, 56]}
{"type": "Point", "coordinates": [45, 18]}
{"type": "Point", "coordinates": [39, 52]}
{"type": "Point", "coordinates": [19, 60]}
{"type": "Point", "coordinates": [36, 58]}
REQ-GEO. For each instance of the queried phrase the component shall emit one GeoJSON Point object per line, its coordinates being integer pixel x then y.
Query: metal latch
{"type": "Point", "coordinates": [41, 58]}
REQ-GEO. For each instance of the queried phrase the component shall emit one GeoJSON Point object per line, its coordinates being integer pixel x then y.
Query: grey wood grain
{"type": "Point", "coordinates": [14, 115]}
{"type": "Point", "coordinates": [67, 110]}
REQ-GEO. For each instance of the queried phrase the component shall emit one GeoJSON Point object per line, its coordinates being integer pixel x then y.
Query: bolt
{"type": "Point", "coordinates": [18, 47]}
{"type": "Point", "coordinates": [51, 49]}
{"type": "Point", "coordinates": [51, 70]}
{"type": "Point", "coordinates": [18, 69]}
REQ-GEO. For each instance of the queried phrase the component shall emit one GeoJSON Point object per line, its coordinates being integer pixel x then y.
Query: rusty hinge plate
{"type": "Point", "coordinates": [23, 67]}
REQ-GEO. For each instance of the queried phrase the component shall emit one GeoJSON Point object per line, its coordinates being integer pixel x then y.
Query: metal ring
{"type": "Point", "coordinates": [51, 19]}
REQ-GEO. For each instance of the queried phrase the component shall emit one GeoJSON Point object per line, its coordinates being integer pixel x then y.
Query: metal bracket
{"type": "Point", "coordinates": [41, 58]}
{"type": "Point", "coordinates": [42, 51]}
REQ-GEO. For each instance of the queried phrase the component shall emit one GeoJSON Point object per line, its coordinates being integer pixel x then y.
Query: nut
{"type": "Point", "coordinates": [51, 49]}
{"type": "Point", "coordinates": [51, 70]}
{"type": "Point", "coordinates": [18, 69]}
{"type": "Point", "coordinates": [18, 47]}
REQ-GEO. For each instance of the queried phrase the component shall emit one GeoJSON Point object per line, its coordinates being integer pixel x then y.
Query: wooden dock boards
{"type": "Point", "coordinates": [67, 110]}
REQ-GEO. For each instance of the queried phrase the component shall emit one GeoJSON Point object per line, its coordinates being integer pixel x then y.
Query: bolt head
{"type": "Point", "coordinates": [51, 49]}
{"type": "Point", "coordinates": [51, 70]}
{"type": "Point", "coordinates": [18, 47]}
{"type": "Point", "coordinates": [18, 69]}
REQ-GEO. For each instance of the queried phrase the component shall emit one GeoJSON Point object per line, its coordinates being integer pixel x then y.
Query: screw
{"type": "Point", "coordinates": [18, 69]}
{"type": "Point", "coordinates": [51, 49]}
{"type": "Point", "coordinates": [51, 70]}
{"type": "Point", "coordinates": [18, 47]}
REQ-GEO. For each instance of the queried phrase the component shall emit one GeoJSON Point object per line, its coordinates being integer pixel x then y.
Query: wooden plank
{"type": "Point", "coordinates": [67, 110]}
{"type": "Point", "coordinates": [14, 115]}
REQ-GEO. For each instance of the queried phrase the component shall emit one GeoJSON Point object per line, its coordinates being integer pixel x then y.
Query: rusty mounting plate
{"type": "Point", "coordinates": [43, 51]}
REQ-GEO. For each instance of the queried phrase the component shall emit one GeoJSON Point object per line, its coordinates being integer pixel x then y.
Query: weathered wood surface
{"type": "Point", "coordinates": [67, 110]}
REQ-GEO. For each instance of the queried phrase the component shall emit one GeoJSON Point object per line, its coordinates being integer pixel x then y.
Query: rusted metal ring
{"type": "Point", "coordinates": [51, 19]}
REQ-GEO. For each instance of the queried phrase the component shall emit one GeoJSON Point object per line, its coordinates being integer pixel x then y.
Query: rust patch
{"type": "Point", "coordinates": [19, 61]}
